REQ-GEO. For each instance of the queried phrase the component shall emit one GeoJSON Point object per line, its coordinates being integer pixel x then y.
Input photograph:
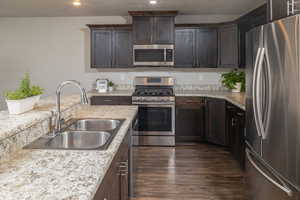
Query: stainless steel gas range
{"type": "Point", "coordinates": [155, 125]}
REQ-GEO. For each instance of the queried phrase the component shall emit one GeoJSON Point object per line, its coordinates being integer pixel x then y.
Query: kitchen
{"type": "Point", "coordinates": [156, 106]}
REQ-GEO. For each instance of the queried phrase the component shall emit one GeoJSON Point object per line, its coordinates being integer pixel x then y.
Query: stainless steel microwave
{"type": "Point", "coordinates": [153, 55]}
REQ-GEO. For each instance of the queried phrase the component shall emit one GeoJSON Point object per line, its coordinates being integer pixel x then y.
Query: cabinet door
{"type": "Point", "coordinates": [230, 129]}
{"type": "Point", "coordinates": [101, 48]}
{"type": "Point", "coordinates": [185, 47]}
{"type": "Point", "coordinates": [124, 167]}
{"type": "Point", "coordinates": [189, 119]}
{"type": "Point", "coordinates": [228, 46]}
{"type": "Point", "coordinates": [163, 30]}
{"type": "Point", "coordinates": [207, 47]}
{"type": "Point", "coordinates": [122, 49]}
{"type": "Point", "coordinates": [142, 30]}
{"type": "Point", "coordinates": [278, 9]}
{"type": "Point", "coordinates": [240, 127]}
{"type": "Point", "coordinates": [215, 131]}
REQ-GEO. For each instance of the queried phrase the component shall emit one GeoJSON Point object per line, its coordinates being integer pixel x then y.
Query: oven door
{"type": "Point", "coordinates": [156, 120]}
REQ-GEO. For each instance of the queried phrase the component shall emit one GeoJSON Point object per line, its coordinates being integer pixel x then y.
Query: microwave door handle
{"type": "Point", "coordinates": [165, 54]}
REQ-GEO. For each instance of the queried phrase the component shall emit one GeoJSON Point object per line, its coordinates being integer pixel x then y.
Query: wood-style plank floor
{"type": "Point", "coordinates": [200, 172]}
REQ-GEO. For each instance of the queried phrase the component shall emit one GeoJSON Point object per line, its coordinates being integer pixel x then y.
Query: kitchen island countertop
{"type": "Point", "coordinates": [63, 174]}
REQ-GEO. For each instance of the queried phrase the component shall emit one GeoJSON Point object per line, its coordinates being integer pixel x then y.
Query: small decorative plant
{"type": "Point", "coordinates": [110, 86]}
{"type": "Point", "coordinates": [234, 80]}
{"type": "Point", "coordinates": [24, 98]}
{"type": "Point", "coordinates": [24, 91]}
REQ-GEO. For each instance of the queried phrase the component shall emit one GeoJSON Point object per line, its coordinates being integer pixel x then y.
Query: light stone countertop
{"type": "Point", "coordinates": [63, 174]}
{"type": "Point", "coordinates": [12, 124]}
{"type": "Point", "coordinates": [237, 99]}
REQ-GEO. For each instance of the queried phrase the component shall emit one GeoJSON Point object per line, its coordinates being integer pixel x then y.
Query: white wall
{"type": "Point", "coordinates": [56, 49]}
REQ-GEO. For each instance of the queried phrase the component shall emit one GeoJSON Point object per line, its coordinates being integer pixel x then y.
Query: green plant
{"type": "Point", "coordinates": [111, 84]}
{"type": "Point", "coordinates": [24, 91]}
{"type": "Point", "coordinates": [230, 79]}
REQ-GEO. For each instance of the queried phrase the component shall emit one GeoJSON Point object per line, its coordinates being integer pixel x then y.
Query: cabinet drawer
{"type": "Point", "coordinates": [111, 100]}
{"type": "Point", "coordinates": [189, 101]}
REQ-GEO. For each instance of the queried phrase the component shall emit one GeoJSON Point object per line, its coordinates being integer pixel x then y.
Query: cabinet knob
{"type": "Point", "coordinates": [233, 122]}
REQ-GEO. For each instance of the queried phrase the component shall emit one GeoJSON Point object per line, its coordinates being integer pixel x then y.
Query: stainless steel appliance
{"type": "Point", "coordinates": [156, 115]}
{"type": "Point", "coordinates": [273, 110]}
{"type": "Point", "coordinates": [153, 55]}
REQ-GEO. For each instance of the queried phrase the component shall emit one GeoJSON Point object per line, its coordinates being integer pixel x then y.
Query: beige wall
{"type": "Point", "coordinates": [56, 49]}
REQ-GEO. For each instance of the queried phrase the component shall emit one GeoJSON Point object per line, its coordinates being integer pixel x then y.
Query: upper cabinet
{"type": "Point", "coordinates": [278, 9]}
{"type": "Point", "coordinates": [185, 47]}
{"type": "Point", "coordinates": [111, 46]}
{"type": "Point", "coordinates": [228, 46]}
{"type": "Point", "coordinates": [153, 27]}
{"type": "Point", "coordinates": [196, 47]}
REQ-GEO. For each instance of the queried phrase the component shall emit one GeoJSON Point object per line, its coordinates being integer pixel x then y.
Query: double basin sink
{"type": "Point", "coordinates": [81, 134]}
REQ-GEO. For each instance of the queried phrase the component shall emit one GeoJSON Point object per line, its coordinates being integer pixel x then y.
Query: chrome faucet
{"type": "Point", "coordinates": [84, 100]}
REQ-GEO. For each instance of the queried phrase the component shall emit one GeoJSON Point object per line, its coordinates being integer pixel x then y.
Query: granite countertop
{"type": "Point", "coordinates": [237, 99]}
{"type": "Point", "coordinates": [113, 93]}
{"type": "Point", "coordinates": [11, 124]}
{"type": "Point", "coordinates": [63, 174]}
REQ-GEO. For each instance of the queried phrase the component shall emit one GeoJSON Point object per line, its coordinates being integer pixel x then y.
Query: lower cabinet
{"type": "Point", "coordinates": [236, 130]}
{"type": "Point", "coordinates": [189, 119]}
{"type": "Point", "coordinates": [215, 121]}
{"type": "Point", "coordinates": [115, 185]}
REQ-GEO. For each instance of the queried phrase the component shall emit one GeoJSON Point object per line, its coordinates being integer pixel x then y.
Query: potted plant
{"type": "Point", "coordinates": [234, 80]}
{"type": "Point", "coordinates": [24, 98]}
{"type": "Point", "coordinates": [111, 86]}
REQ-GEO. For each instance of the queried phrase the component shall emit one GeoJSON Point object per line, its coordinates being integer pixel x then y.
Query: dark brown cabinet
{"type": "Point", "coordinates": [122, 49]}
{"type": "Point", "coordinates": [111, 47]}
{"type": "Point", "coordinates": [189, 119]}
{"type": "Point", "coordinates": [185, 47]}
{"type": "Point", "coordinates": [115, 185]}
{"type": "Point", "coordinates": [228, 46]}
{"type": "Point", "coordinates": [278, 9]}
{"type": "Point", "coordinates": [207, 47]}
{"type": "Point", "coordinates": [111, 100]}
{"type": "Point", "coordinates": [101, 48]}
{"type": "Point", "coordinates": [235, 128]}
{"type": "Point", "coordinates": [196, 47]}
{"type": "Point", "coordinates": [215, 121]}
{"type": "Point", "coordinates": [153, 30]}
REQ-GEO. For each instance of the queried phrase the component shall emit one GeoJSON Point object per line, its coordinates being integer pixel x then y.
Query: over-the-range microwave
{"type": "Point", "coordinates": [153, 55]}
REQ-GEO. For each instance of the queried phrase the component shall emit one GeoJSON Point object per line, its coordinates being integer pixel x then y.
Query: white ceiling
{"type": "Point", "coordinates": [54, 8]}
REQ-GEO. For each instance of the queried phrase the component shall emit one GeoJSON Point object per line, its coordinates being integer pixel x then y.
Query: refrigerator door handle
{"type": "Point", "coordinates": [254, 92]}
{"type": "Point", "coordinates": [269, 95]}
{"type": "Point", "coordinates": [258, 92]}
{"type": "Point", "coordinates": [281, 186]}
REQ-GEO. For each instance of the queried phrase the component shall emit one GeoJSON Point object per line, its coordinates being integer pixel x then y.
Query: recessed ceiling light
{"type": "Point", "coordinates": [76, 3]}
{"type": "Point", "coordinates": [153, 2]}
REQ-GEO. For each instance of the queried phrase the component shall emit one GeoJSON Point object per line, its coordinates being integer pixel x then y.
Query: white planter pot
{"type": "Point", "coordinates": [16, 107]}
{"type": "Point", "coordinates": [238, 87]}
{"type": "Point", "coordinates": [110, 89]}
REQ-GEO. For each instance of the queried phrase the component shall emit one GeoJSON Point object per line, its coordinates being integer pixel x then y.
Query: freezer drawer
{"type": "Point", "coordinates": [263, 184]}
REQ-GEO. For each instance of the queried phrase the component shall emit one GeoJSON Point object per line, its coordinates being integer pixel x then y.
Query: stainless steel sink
{"type": "Point", "coordinates": [82, 134]}
{"type": "Point", "coordinates": [94, 125]}
{"type": "Point", "coordinates": [73, 140]}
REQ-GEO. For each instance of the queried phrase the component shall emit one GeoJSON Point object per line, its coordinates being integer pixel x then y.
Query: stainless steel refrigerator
{"type": "Point", "coordinates": [273, 110]}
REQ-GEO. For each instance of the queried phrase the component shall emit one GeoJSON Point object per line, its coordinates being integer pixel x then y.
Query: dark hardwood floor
{"type": "Point", "coordinates": [200, 172]}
